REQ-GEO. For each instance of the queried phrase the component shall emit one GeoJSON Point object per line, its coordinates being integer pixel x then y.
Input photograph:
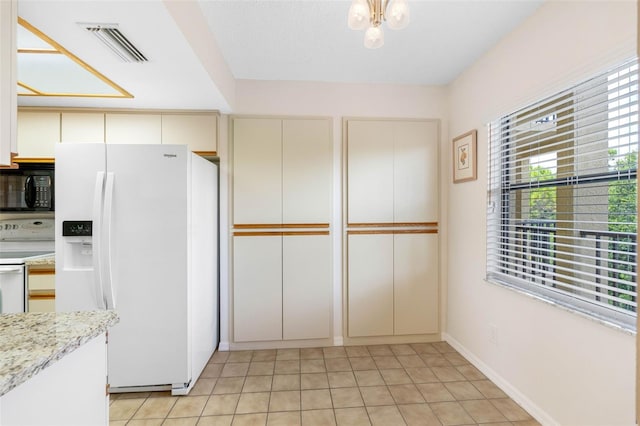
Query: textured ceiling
{"type": "Point", "coordinates": [310, 40]}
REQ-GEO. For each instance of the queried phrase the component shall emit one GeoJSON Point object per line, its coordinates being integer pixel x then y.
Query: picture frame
{"type": "Point", "coordinates": [464, 157]}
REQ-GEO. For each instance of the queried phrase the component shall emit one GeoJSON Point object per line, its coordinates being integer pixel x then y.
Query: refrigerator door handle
{"type": "Point", "coordinates": [109, 292]}
{"type": "Point", "coordinates": [97, 239]}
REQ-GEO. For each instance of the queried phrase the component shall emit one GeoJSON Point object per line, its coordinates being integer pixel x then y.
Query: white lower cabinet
{"type": "Point", "coordinates": [41, 290]}
{"type": "Point", "coordinates": [257, 290]}
{"type": "Point", "coordinates": [392, 284]}
{"type": "Point", "coordinates": [306, 287]}
{"type": "Point", "coordinates": [415, 284]}
{"type": "Point", "coordinates": [71, 391]}
{"type": "Point", "coordinates": [282, 287]}
{"type": "Point", "coordinates": [370, 285]}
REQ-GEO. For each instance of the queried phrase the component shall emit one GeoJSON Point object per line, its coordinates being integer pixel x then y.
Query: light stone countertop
{"type": "Point", "coordinates": [30, 342]}
{"type": "Point", "coordinates": [42, 261]}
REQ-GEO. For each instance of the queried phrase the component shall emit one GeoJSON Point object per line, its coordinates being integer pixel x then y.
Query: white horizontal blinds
{"type": "Point", "coordinates": [562, 218]}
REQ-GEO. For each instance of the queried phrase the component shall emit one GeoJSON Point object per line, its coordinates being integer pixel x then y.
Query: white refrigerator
{"type": "Point", "coordinates": [137, 232]}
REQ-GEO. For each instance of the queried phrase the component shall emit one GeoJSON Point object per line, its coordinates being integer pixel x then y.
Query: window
{"type": "Point", "coordinates": [562, 219]}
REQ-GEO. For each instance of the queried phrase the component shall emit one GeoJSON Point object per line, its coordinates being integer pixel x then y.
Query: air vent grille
{"type": "Point", "coordinates": [112, 37]}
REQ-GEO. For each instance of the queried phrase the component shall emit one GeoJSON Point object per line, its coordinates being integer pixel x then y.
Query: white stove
{"type": "Point", "coordinates": [21, 240]}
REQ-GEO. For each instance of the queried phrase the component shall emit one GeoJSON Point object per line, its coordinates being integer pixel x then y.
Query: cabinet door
{"type": "Point", "coordinates": [306, 287]}
{"type": "Point", "coordinates": [257, 288]}
{"type": "Point", "coordinates": [415, 165]}
{"type": "Point", "coordinates": [38, 134]}
{"type": "Point", "coordinates": [369, 171]}
{"type": "Point", "coordinates": [82, 127]}
{"type": "Point", "coordinates": [257, 171]}
{"type": "Point", "coordinates": [307, 151]}
{"type": "Point", "coordinates": [415, 277]}
{"type": "Point", "coordinates": [133, 128]}
{"type": "Point", "coordinates": [198, 131]}
{"type": "Point", "coordinates": [370, 286]}
{"type": "Point", "coordinates": [8, 75]}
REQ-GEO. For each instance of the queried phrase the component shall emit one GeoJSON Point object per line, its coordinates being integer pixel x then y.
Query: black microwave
{"type": "Point", "coordinates": [28, 188]}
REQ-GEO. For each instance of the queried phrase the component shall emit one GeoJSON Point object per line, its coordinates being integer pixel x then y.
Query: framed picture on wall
{"type": "Point", "coordinates": [464, 157]}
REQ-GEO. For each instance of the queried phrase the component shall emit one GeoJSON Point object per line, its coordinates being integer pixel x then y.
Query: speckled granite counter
{"type": "Point", "coordinates": [42, 261]}
{"type": "Point", "coordinates": [30, 342]}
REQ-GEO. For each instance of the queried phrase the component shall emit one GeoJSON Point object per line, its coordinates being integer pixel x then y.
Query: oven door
{"type": "Point", "coordinates": [12, 289]}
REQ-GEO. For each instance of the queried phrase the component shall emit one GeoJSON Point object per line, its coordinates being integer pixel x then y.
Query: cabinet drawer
{"type": "Point", "coordinates": [42, 304]}
{"type": "Point", "coordinates": [42, 281]}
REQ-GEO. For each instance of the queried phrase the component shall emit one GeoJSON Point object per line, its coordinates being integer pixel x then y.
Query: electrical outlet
{"type": "Point", "coordinates": [493, 334]}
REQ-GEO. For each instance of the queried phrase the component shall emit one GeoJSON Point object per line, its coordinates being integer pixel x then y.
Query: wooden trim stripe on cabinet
{"type": "Point", "coordinates": [392, 225]}
{"type": "Point", "coordinates": [48, 271]}
{"type": "Point", "coordinates": [279, 225]}
{"type": "Point", "coordinates": [42, 294]}
{"type": "Point", "coordinates": [278, 233]}
{"type": "Point", "coordinates": [34, 160]}
{"type": "Point", "coordinates": [206, 153]}
{"type": "Point", "coordinates": [393, 231]}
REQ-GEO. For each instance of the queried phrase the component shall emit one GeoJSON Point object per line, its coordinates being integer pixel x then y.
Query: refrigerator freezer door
{"type": "Point", "coordinates": [77, 170]}
{"type": "Point", "coordinates": [149, 250]}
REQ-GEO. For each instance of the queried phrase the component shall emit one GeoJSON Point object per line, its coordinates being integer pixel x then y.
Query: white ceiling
{"type": "Point", "coordinates": [292, 40]}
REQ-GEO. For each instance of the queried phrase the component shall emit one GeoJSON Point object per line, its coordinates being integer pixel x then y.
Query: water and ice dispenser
{"type": "Point", "coordinates": [78, 244]}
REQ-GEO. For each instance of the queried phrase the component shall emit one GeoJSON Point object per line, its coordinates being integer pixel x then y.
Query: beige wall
{"type": "Point", "coordinates": [565, 369]}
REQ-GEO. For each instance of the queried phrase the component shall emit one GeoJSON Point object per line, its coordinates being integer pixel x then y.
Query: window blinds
{"type": "Point", "coordinates": [562, 218]}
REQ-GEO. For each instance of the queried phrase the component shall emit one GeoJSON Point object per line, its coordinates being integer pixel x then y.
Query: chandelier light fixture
{"type": "Point", "coordinates": [370, 14]}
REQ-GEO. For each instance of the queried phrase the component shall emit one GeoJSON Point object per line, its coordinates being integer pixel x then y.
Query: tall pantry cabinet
{"type": "Point", "coordinates": [282, 179]}
{"type": "Point", "coordinates": [391, 213]}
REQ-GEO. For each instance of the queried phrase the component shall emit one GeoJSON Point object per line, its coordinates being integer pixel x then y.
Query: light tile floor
{"type": "Point", "coordinates": [412, 384]}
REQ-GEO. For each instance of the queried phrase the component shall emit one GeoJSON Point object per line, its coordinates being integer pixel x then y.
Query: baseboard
{"type": "Point", "coordinates": [338, 341]}
{"type": "Point", "coordinates": [223, 346]}
{"type": "Point", "coordinates": [538, 413]}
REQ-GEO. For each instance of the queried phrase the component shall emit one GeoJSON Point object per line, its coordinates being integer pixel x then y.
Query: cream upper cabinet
{"type": "Point", "coordinates": [282, 171]}
{"type": "Point", "coordinates": [198, 130]}
{"type": "Point", "coordinates": [369, 172]}
{"type": "Point", "coordinates": [392, 171]}
{"type": "Point", "coordinates": [82, 127]}
{"type": "Point", "coordinates": [38, 134]}
{"type": "Point", "coordinates": [257, 171]}
{"type": "Point", "coordinates": [8, 77]}
{"type": "Point", "coordinates": [307, 153]}
{"type": "Point", "coordinates": [415, 171]}
{"type": "Point", "coordinates": [133, 128]}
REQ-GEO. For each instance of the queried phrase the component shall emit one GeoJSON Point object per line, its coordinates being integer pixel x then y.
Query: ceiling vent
{"type": "Point", "coordinates": [110, 35]}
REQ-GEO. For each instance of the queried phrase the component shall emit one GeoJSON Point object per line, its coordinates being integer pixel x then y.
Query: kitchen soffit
{"type": "Point", "coordinates": [45, 68]}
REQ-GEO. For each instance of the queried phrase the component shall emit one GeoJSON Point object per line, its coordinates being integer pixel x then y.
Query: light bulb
{"type": "Point", "coordinates": [358, 15]}
{"type": "Point", "coordinates": [374, 37]}
{"type": "Point", "coordinates": [398, 16]}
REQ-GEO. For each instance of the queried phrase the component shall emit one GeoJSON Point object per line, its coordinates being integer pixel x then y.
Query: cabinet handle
{"type": "Point", "coordinates": [278, 233]}
{"type": "Point", "coordinates": [279, 225]}
{"type": "Point", "coordinates": [393, 224]}
{"type": "Point", "coordinates": [392, 231]}
{"type": "Point", "coordinates": [10, 269]}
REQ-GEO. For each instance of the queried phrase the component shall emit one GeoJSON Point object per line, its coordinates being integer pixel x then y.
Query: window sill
{"type": "Point", "coordinates": [602, 321]}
